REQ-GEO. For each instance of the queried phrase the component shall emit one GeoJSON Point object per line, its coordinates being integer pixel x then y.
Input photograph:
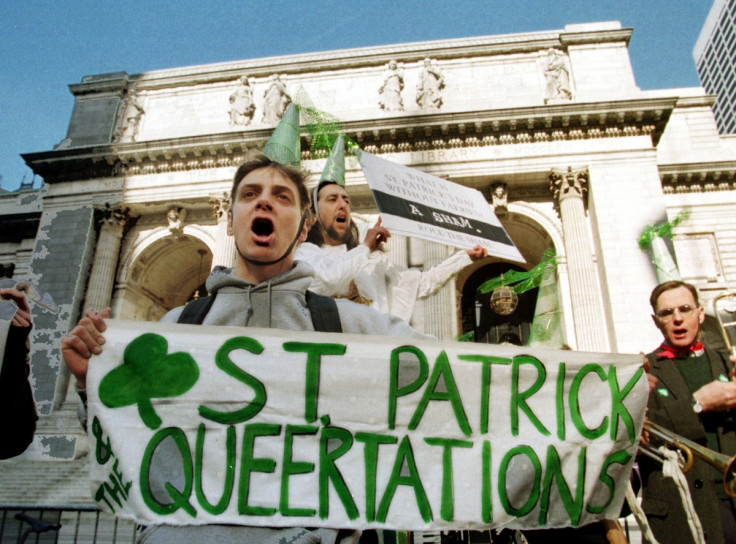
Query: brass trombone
{"type": "Point", "coordinates": [723, 463]}
{"type": "Point", "coordinates": [724, 306]}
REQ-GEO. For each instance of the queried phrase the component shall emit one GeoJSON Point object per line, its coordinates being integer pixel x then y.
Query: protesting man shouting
{"type": "Point", "coordinates": [360, 271]}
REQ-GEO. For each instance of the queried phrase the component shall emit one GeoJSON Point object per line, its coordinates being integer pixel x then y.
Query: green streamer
{"type": "Point", "coordinates": [524, 280]}
{"type": "Point", "coordinates": [323, 128]}
{"type": "Point", "coordinates": [662, 230]}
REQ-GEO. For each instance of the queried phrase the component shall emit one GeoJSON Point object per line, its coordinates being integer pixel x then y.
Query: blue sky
{"type": "Point", "coordinates": [45, 45]}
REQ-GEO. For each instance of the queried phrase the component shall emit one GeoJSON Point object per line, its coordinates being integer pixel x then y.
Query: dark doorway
{"type": "Point", "coordinates": [490, 326]}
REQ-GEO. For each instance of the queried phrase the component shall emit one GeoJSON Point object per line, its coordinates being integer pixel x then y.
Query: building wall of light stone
{"type": "Point", "coordinates": [107, 234]}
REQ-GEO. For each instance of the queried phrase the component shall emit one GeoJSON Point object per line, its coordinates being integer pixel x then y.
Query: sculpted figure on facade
{"type": "Point", "coordinates": [429, 88]}
{"type": "Point", "coordinates": [500, 197]}
{"type": "Point", "coordinates": [557, 77]}
{"type": "Point", "coordinates": [132, 114]}
{"type": "Point", "coordinates": [175, 217]}
{"type": "Point", "coordinates": [275, 100]}
{"type": "Point", "coordinates": [242, 106]}
{"type": "Point", "coordinates": [390, 91]}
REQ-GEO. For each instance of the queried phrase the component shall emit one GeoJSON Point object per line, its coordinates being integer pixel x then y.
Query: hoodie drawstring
{"type": "Point", "coordinates": [249, 312]}
{"type": "Point", "coordinates": [270, 306]}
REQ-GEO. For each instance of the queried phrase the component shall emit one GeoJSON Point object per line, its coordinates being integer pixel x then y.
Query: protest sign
{"type": "Point", "coordinates": [218, 425]}
{"type": "Point", "coordinates": [414, 203]}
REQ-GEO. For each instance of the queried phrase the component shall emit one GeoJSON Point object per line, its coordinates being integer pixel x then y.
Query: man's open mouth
{"type": "Point", "coordinates": [341, 219]}
{"type": "Point", "coordinates": [262, 229]}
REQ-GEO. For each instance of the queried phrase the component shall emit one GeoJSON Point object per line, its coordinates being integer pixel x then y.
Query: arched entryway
{"type": "Point", "coordinates": [504, 322]}
{"type": "Point", "coordinates": [164, 275]}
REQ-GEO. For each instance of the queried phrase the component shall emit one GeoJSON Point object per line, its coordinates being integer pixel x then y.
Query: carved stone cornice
{"type": "Point", "coordinates": [528, 125]}
{"type": "Point", "coordinates": [560, 122]}
{"type": "Point", "coordinates": [698, 177]}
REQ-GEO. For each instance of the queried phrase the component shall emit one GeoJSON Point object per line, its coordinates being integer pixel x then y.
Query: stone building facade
{"type": "Point", "coordinates": [135, 197]}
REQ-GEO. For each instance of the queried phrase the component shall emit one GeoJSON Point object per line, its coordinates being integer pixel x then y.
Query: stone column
{"type": "Point", "coordinates": [224, 254]}
{"type": "Point", "coordinates": [570, 191]}
{"type": "Point", "coordinates": [102, 275]}
{"type": "Point", "coordinates": [398, 250]}
{"type": "Point", "coordinates": [439, 309]}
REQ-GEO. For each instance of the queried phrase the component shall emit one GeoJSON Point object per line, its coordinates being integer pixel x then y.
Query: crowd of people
{"type": "Point", "coordinates": [295, 253]}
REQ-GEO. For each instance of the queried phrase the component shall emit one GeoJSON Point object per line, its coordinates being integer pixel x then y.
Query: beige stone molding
{"type": "Point", "coordinates": [698, 177]}
{"type": "Point", "coordinates": [552, 123]}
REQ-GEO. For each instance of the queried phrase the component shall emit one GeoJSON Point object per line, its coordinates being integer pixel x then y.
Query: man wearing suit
{"type": "Point", "coordinates": [695, 397]}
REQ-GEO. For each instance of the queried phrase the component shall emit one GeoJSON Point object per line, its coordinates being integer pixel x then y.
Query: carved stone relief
{"type": "Point", "coordinates": [390, 91]}
{"type": "Point", "coordinates": [500, 198]}
{"type": "Point", "coordinates": [275, 100]}
{"type": "Point", "coordinates": [131, 117]}
{"type": "Point", "coordinates": [557, 77]}
{"type": "Point", "coordinates": [430, 85]}
{"type": "Point", "coordinates": [175, 217]}
{"type": "Point", "coordinates": [242, 106]}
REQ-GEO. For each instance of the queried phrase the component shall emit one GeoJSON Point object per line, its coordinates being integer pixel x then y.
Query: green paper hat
{"type": "Point", "coordinates": [334, 171]}
{"type": "Point", "coordinates": [335, 167]}
{"type": "Point", "coordinates": [285, 146]}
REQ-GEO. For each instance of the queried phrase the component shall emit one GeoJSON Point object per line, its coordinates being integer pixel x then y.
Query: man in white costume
{"type": "Point", "coordinates": [362, 271]}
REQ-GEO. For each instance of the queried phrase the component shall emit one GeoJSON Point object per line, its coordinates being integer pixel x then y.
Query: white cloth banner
{"type": "Point", "coordinates": [200, 425]}
{"type": "Point", "coordinates": [414, 203]}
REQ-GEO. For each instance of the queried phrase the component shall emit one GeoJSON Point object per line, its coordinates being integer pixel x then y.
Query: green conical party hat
{"type": "Point", "coordinates": [546, 329]}
{"type": "Point", "coordinates": [284, 146]}
{"type": "Point", "coordinates": [335, 167]}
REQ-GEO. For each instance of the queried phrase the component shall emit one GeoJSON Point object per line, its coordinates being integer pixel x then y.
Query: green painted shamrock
{"type": "Point", "coordinates": [148, 372]}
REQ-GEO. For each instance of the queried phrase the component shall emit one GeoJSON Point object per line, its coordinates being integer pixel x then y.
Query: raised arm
{"type": "Point", "coordinates": [16, 396]}
{"type": "Point", "coordinates": [435, 278]}
{"type": "Point", "coordinates": [82, 342]}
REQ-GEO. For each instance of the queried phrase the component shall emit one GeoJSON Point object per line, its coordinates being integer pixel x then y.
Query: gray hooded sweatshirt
{"type": "Point", "coordinates": [279, 303]}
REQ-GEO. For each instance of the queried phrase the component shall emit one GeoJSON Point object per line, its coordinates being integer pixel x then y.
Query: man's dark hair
{"type": "Point", "coordinates": [668, 286]}
{"type": "Point", "coordinates": [316, 234]}
{"type": "Point", "coordinates": [262, 161]}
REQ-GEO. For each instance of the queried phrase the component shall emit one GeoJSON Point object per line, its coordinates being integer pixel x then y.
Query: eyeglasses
{"type": "Point", "coordinates": [666, 314]}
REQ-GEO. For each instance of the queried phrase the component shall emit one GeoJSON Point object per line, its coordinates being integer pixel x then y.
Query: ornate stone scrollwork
{"type": "Point", "coordinates": [568, 183]}
{"type": "Point", "coordinates": [220, 205]}
{"type": "Point", "coordinates": [113, 216]}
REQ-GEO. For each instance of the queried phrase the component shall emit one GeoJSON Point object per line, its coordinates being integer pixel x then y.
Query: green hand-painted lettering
{"type": "Point", "coordinates": [223, 362]}
{"type": "Point", "coordinates": [447, 511]}
{"type": "Point", "coordinates": [618, 410]}
{"type": "Point", "coordinates": [553, 470]}
{"type": "Point", "coordinates": [442, 370]}
{"type": "Point", "coordinates": [314, 353]}
{"type": "Point", "coordinates": [575, 413]}
{"type": "Point", "coordinates": [395, 389]}
{"type": "Point", "coordinates": [518, 398]}
{"type": "Point", "coordinates": [329, 472]}
{"type": "Point", "coordinates": [289, 467]}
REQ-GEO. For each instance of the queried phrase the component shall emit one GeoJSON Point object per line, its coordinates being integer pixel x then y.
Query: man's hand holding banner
{"type": "Point", "coordinates": [204, 425]}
